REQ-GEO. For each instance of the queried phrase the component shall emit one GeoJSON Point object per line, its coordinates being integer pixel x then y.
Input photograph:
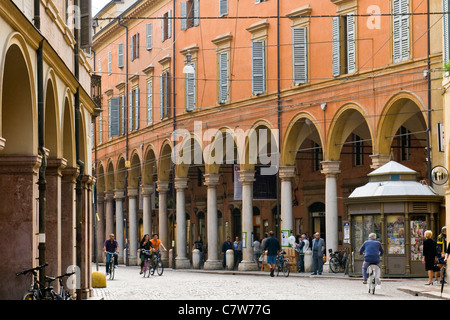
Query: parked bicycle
{"type": "Point", "coordinates": [38, 290]}
{"type": "Point", "coordinates": [282, 264]}
{"type": "Point", "coordinates": [338, 260]}
{"type": "Point", "coordinates": [63, 294]}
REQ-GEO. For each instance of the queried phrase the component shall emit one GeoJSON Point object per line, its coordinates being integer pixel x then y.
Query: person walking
{"type": "Point", "coordinates": [237, 251]}
{"type": "Point", "coordinates": [318, 249]}
{"type": "Point", "coordinates": [272, 247]}
{"type": "Point", "coordinates": [227, 245]}
{"type": "Point", "coordinates": [429, 256]}
{"type": "Point", "coordinates": [441, 249]}
{"type": "Point", "coordinates": [372, 250]}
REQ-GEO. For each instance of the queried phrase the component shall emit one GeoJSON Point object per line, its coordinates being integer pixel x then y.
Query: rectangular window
{"type": "Point", "coordinates": [114, 117]}
{"type": "Point", "coordinates": [446, 31]}
{"type": "Point", "coordinates": [223, 7]}
{"type": "Point", "coordinates": [258, 67]}
{"type": "Point", "coordinates": [400, 32]}
{"type": "Point", "coordinates": [120, 55]}
{"type": "Point", "coordinates": [189, 12]}
{"type": "Point", "coordinates": [166, 26]}
{"type": "Point", "coordinates": [135, 47]}
{"type": "Point", "coordinates": [223, 77]}
{"type": "Point", "coordinates": [100, 128]}
{"type": "Point", "coordinates": [136, 109]}
{"type": "Point", "coordinates": [109, 63]}
{"type": "Point", "coordinates": [122, 114]}
{"type": "Point", "coordinates": [190, 90]}
{"type": "Point", "coordinates": [164, 94]}
{"type": "Point", "coordinates": [358, 150]}
{"type": "Point", "coordinates": [300, 55]}
{"type": "Point", "coordinates": [149, 102]}
{"type": "Point", "coordinates": [344, 45]}
{"type": "Point", "coordinates": [99, 66]}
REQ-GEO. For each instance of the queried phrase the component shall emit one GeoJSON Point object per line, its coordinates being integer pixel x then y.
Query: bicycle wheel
{"type": "Point", "coordinates": [278, 267]}
{"type": "Point", "coordinates": [334, 265]}
{"type": "Point", "coordinates": [30, 295]}
{"type": "Point", "coordinates": [146, 268]}
{"type": "Point", "coordinates": [111, 269]}
{"type": "Point", "coordinates": [159, 267]}
{"type": "Point", "coordinates": [286, 268]}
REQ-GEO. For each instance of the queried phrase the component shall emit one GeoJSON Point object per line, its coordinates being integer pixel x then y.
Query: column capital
{"type": "Point", "coordinates": [109, 195]}
{"type": "Point", "coordinates": [56, 165]}
{"type": "Point", "coordinates": [133, 191]}
{"type": "Point", "coordinates": [181, 183]}
{"type": "Point", "coordinates": [286, 172]}
{"type": "Point", "coordinates": [119, 194]}
{"type": "Point", "coordinates": [147, 189]}
{"type": "Point", "coordinates": [163, 186]}
{"type": "Point", "coordinates": [212, 179]}
{"type": "Point", "coordinates": [70, 174]}
{"type": "Point", "coordinates": [379, 159]}
{"type": "Point", "coordinates": [247, 176]}
{"type": "Point", "coordinates": [330, 167]}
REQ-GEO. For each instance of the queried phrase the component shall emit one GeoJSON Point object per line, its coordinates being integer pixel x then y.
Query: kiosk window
{"type": "Point", "coordinates": [418, 228]}
{"type": "Point", "coordinates": [396, 235]}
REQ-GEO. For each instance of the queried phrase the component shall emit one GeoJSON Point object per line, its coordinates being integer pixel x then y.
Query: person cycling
{"type": "Point", "coordinates": [372, 250]}
{"type": "Point", "coordinates": [156, 243]}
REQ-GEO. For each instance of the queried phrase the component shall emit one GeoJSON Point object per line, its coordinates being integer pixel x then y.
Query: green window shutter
{"type": "Point", "coordinates": [120, 55]}
{"type": "Point", "coordinates": [190, 90]}
{"type": "Point", "coordinates": [446, 31]}
{"type": "Point", "coordinates": [223, 77]}
{"type": "Point", "coordinates": [183, 15]}
{"type": "Point", "coordinates": [122, 111]}
{"type": "Point", "coordinates": [299, 54]}
{"type": "Point", "coordinates": [169, 24]}
{"type": "Point", "coordinates": [136, 109]}
{"type": "Point", "coordinates": [196, 13]}
{"type": "Point", "coordinates": [109, 62]}
{"type": "Point", "coordinates": [336, 47]}
{"type": "Point", "coordinates": [149, 102]}
{"type": "Point", "coordinates": [223, 7]}
{"type": "Point", "coordinates": [161, 96]}
{"type": "Point", "coordinates": [405, 29]}
{"type": "Point", "coordinates": [351, 43]}
{"type": "Point", "coordinates": [400, 32]}
{"type": "Point", "coordinates": [130, 112]}
{"type": "Point", "coordinates": [149, 37]}
{"type": "Point", "coordinates": [114, 117]}
{"type": "Point", "coordinates": [258, 67]}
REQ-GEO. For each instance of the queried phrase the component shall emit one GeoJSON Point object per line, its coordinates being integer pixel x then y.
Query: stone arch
{"type": "Point", "coordinates": [221, 150]}
{"type": "Point", "coordinates": [109, 176]}
{"type": "Point", "coordinates": [403, 109]}
{"type": "Point", "coordinates": [149, 167]}
{"type": "Point", "coordinates": [165, 161]}
{"type": "Point", "coordinates": [18, 112]}
{"type": "Point", "coordinates": [135, 169]}
{"type": "Point", "coordinates": [52, 128]}
{"type": "Point", "coordinates": [68, 132]}
{"type": "Point", "coordinates": [188, 152]}
{"type": "Point", "coordinates": [302, 126]}
{"type": "Point", "coordinates": [101, 185]}
{"type": "Point", "coordinates": [350, 118]}
{"type": "Point", "coordinates": [120, 173]}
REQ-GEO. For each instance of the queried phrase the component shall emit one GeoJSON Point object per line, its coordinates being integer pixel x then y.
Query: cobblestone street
{"type": "Point", "coordinates": [237, 286]}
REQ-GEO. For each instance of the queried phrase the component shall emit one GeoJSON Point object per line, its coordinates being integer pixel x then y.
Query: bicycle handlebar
{"type": "Point", "coordinates": [32, 269]}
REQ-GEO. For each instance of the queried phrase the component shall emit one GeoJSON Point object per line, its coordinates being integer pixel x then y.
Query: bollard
{"type": "Point", "coordinates": [196, 259]}
{"type": "Point", "coordinates": [230, 259]}
{"type": "Point", "coordinates": [308, 261]}
{"type": "Point", "coordinates": [98, 280]}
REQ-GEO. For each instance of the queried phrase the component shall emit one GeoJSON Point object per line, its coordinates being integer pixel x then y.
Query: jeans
{"type": "Point", "coordinates": [365, 265]}
{"type": "Point", "coordinates": [108, 260]}
{"type": "Point", "coordinates": [301, 263]}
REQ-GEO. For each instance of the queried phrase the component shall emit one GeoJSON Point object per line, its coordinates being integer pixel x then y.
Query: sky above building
{"type": "Point", "coordinates": [97, 5]}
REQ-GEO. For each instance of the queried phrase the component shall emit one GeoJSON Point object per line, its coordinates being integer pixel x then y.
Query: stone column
{"type": "Point", "coordinates": [213, 262]}
{"type": "Point", "coordinates": [109, 220]}
{"type": "Point", "coordinates": [101, 236]}
{"type": "Point", "coordinates": [286, 174]}
{"type": "Point", "coordinates": [163, 189]}
{"type": "Point", "coordinates": [119, 195]}
{"type": "Point", "coordinates": [331, 170]}
{"type": "Point", "coordinates": [68, 184]}
{"type": "Point", "coordinates": [379, 160]}
{"type": "Point", "coordinates": [147, 191]}
{"type": "Point", "coordinates": [53, 234]}
{"type": "Point", "coordinates": [86, 240]}
{"type": "Point", "coordinates": [247, 177]}
{"type": "Point", "coordinates": [132, 225]}
{"type": "Point", "coordinates": [181, 261]}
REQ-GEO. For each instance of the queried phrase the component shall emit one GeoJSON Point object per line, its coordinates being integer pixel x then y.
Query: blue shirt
{"type": "Point", "coordinates": [372, 250]}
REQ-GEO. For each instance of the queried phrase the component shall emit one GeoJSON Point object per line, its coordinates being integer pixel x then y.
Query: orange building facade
{"type": "Point", "coordinates": [290, 106]}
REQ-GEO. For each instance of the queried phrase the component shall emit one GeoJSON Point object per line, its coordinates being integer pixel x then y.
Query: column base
{"type": "Point", "coordinates": [247, 266]}
{"type": "Point", "coordinates": [182, 263]}
{"type": "Point", "coordinates": [213, 265]}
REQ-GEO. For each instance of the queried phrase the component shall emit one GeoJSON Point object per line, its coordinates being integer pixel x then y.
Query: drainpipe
{"type": "Point", "coordinates": [429, 97]}
{"type": "Point", "coordinates": [78, 188]}
{"type": "Point", "coordinates": [42, 183]}
{"type": "Point", "coordinates": [126, 121]}
{"type": "Point", "coordinates": [279, 121]}
{"type": "Point", "coordinates": [174, 198]}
